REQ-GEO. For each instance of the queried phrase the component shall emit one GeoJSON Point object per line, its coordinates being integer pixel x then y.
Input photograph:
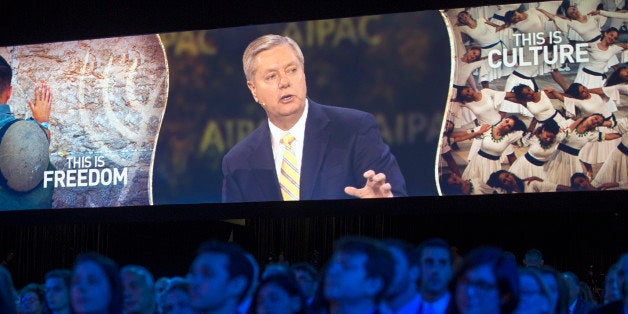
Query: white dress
{"type": "Point", "coordinates": [562, 164]}
{"type": "Point", "coordinates": [486, 37]}
{"type": "Point", "coordinates": [589, 31]}
{"type": "Point", "coordinates": [531, 164]}
{"type": "Point", "coordinates": [615, 168]}
{"type": "Point", "coordinates": [539, 187]}
{"type": "Point", "coordinates": [594, 152]}
{"type": "Point", "coordinates": [486, 108]}
{"type": "Point", "coordinates": [460, 115]}
{"type": "Point", "coordinates": [520, 75]}
{"type": "Point", "coordinates": [599, 62]}
{"type": "Point", "coordinates": [543, 110]}
{"type": "Point", "coordinates": [482, 167]}
{"type": "Point", "coordinates": [486, 112]}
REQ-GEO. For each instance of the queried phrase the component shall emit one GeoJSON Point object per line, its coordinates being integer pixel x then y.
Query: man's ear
{"type": "Point", "coordinates": [7, 93]}
{"type": "Point", "coordinates": [251, 87]}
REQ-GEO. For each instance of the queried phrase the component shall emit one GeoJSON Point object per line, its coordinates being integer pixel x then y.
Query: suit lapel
{"type": "Point", "coordinates": [314, 148]}
{"type": "Point", "coordinates": [261, 158]}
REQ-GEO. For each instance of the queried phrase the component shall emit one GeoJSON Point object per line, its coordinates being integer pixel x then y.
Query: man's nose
{"type": "Point", "coordinates": [283, 81]}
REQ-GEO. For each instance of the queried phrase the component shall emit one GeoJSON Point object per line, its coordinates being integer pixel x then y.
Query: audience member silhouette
{"type": "Point", "coordinates": [8, 295]}
{"type": "Point", "coordinates": [96, 285]}
{"type": "Point", "coordinates": [219, 278]}
{"type": "Point", "coordinates": [357, 276]}
{"type": "Point", "coordinates": [308, 278]}
{"type": "Point", "coordinates": [534, 297]}
{"type": "Point", "coordinates": [487, 282]}
{"type": "Point", "coordinates": [436, 272]}
{"type": "Point", "coordinates": [32, 300]}
{"type": "Point", "coordinates": [138, 290]}
{"type": "Point", "coordinates": [57, 291]}
{"type": "Point", "coordinates": [279, 293]}
{"type": "Point", "coordinates": [176, 297]}
{"type": "Point", "coordinates": [403, 295]}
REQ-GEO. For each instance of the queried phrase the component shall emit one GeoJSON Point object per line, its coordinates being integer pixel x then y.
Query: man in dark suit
{"type": "Point", "coordinates": [305, 150]}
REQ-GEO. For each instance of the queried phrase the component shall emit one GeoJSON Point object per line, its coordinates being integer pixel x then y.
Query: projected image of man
{"type": "Point", "coordinates": [304, 150]}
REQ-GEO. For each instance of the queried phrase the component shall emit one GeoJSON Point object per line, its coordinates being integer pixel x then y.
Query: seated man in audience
{"type": "Point", "coordinates": [57, 291]}
{"type": "Point", "coordinates": [357, 277]}
{"type": "Point", "coordinates": [403, 295]}
{"type": "Point", "coordinates": [176, 298]}
{"type": "Point", "coordinates": [308, 278]}
{"type": "Point", "coordinates": [220, 277]}
{"type": "Point", "coordinates": [533, 258]}
{"type": "Point", "coordinates": [138, 290]}
{"type": "Point", "coordinates": [436, 272]}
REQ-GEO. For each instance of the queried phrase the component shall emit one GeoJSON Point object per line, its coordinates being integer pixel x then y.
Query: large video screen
{"type": "Point", "coordinates": [374, 107]}
{"type": "Point", "coordinates": [536, 101]}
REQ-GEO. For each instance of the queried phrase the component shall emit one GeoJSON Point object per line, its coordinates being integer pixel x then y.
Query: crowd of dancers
{"type": "Point", "coordinates": [363, 276]}
{"type": "Point", "coordinates": [563, 131]}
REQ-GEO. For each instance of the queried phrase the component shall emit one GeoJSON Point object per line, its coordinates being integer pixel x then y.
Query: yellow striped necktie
{"type": "Point", "coordinates": [289, 175]}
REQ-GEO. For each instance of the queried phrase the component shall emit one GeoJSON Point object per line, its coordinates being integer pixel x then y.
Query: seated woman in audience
{"type": "Point", "coordinates": [534, 297]}
{"type": "Point", "coordinates": [96, 285]}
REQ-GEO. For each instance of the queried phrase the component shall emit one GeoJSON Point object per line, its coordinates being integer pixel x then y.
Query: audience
{"type": "Point", "coordinates": [534, 297]}
{"type": "Point", "coordinates": [175, 299]}
{"type": "Point", "coordinates": [576, 305]}
{"type": "Point", "coordinates": [279, 293]}
{"type": "Point", "coordinates": [558, 290]}
{"type": "Point", "coordinates": [487, 282]}
{"type": "Point", "coordinates": [533, 258]}
{"type": "Point", "coordinates": [32, 299]}
{"type": "Point", "coordinates": [435, 261]}
{"type": "Point", "coordinates": [96, 286]}
{"type": "Point", "coordinates": [621, 305]}
{"type": "Point", "coordinates": [8, 295]}
{"type": "Point", "coordinates": [403, 295]}
{"type": "Point", "coordinates": [138, 290]}
{"type": "Point", "coordinates": [363, 276]}
{"type": "Point", "coordinates": [357, 276]}
{"type": "Point", "coordinates": [220, 277]}
{"type": "Point", "coordinates": [57, 289]}
{"type": "Point", "coordinates": [308, 279]}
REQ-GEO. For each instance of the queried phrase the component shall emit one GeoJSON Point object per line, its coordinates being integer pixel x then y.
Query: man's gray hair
{"type": "Point", "coordinates": [264, 43]}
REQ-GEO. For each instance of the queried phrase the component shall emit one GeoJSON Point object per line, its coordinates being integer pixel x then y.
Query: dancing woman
{"type": "Point", "coordinates": [487, 38]}
{"type": "Point", "coordinates": [588, 27]}
{"type": "Point", "coordinates": [539, 105]}
{"type": "Point", "coordinates": [542, 146]}
{"type": "Point", "coordinates": [615, 168]}
{"type": "Point", "coordinates": [587, 103]}
{"type": "Point", "coordinates": [484, 104]}
{"type": "Point", "coordinates": [602, 55]}
{"type": "Point", "coordinates": [494, 141]}
{"type": "Point", "coordinates": [509, 183]}
{"type": "Point", "coordinates": [565, 161]}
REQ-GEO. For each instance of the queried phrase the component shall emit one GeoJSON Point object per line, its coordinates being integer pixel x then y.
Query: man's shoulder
{"type": "Point", "coordinates": [249, 142]}
{"type": "Point", "coordinates": [348, 116]}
